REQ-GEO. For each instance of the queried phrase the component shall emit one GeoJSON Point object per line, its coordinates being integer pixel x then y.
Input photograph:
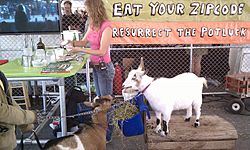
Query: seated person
{"type": "Point", "coordinates": [11, 115]}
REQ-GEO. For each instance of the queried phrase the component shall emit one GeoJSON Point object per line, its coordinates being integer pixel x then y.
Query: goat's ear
{"type": "Point", "coordinates": [145, 72]}
{"type": "Point", "coordinates": [141, 66]}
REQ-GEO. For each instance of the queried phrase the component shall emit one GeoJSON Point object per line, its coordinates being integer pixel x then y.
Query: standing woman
{"type": "Point", "coordinates": [98, 35]}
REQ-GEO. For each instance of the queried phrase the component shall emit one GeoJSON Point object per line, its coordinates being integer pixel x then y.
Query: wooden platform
{"type": "Point", "coordinates": [214, 133]}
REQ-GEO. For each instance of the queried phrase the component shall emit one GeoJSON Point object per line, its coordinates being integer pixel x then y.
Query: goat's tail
{"type": "Point", "coordinates": [204, 81]}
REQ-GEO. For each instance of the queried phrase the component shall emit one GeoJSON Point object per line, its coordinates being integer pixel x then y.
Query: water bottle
{"type": "Point", "coordinates": [40, 54]}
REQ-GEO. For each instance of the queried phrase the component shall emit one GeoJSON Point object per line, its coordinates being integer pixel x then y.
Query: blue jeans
{"type": "Point", "coordinates": [103, 80]}
{"type": "Point", "coordinates": [110, 129]}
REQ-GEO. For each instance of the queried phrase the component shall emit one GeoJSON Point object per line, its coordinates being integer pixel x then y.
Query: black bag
{"type": "Point", "coordinates": [73, 97]}
{"type": "Point", "coordinates": [4, 81]}
{"type": "Point", "coordinates": [6, 87]}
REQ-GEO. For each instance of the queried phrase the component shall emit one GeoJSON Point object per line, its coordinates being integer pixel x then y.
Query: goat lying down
{"type": "Point", "coordinates": [90, 137]}
{"type": "Point", "coordinates": [167, 94]}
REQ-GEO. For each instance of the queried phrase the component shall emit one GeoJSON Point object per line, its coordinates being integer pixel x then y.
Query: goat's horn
{"type": "Point", "coordinates": [141, 66]}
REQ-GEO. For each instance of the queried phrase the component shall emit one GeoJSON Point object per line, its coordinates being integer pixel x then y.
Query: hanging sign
{"type": "Point", "coordinates": [179, 21]}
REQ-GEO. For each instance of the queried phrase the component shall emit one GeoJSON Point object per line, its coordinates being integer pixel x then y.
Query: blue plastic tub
{"type": "Point", "coordinates": [134, 125]}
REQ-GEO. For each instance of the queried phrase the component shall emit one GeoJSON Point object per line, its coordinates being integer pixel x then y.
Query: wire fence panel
{"type": "Point", "coordinates": [213, 62]}
{"type": "Point", "coordinates": [216, 61]}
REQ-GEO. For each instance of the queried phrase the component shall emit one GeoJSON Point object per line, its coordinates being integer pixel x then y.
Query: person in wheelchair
{"type": "Point", "coordinates": [12, 115]}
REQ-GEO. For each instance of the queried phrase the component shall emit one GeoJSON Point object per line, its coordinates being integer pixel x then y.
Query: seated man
{"type": "Point", "coordinates": [11, 115]}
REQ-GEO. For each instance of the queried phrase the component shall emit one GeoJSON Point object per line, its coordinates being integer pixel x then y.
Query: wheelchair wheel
{"type": "Point", "coordinates": [236, 106]}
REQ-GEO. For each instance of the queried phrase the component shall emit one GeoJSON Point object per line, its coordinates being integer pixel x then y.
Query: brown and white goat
{"type": "Point", "coordinates": [90, 137]}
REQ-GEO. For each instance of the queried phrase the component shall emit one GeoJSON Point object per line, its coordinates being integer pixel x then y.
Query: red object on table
{"type": "Point", "coordinates": [3, 61]}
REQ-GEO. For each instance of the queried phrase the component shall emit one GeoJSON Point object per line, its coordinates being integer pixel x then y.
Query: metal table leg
{"type": "Point", "coordinates": [62, 106]}
{"type": "Point", "coordinates": [88, 79]}
{"type": "Point", "coordinates": [44, 97]}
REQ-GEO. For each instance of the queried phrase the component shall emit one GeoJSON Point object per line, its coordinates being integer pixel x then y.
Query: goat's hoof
{"type": "Point", "coordinates": [187, 119]}
{"type": "Point", "coordinates": [196, 124]}
{"type": "Point", "coordinates": [158, 131]}
{"type": "Point", "coordinates": [163, 134]}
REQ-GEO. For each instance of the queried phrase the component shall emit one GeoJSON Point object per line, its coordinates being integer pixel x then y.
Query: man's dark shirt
{"type": "Point", "coordinates": [73, 21]}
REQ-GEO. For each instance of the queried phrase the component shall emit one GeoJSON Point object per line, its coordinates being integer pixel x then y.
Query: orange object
{"type": "Point", "coordinates": [139, 32]}
{"type": "Point", "coordinates": [117, 83]}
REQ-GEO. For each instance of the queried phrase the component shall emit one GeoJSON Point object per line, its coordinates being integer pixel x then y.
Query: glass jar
{"type": "Point", "coordinates": [38, 59]}
{"type": "Point", "coordinates": [39, 55]}
{"type": "Point", "coordinates": [50, 56]}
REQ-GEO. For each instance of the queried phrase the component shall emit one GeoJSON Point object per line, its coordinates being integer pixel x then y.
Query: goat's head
{"type": "Point", "coordinates": [134, 77]}
{"type": "Point", "coordinates": [101, 107]}
{"type": "Point", "coordinates": [102, 103]}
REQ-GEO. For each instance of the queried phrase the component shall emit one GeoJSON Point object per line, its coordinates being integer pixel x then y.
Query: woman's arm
{"type": "Point", "coordinates": [104, 45]}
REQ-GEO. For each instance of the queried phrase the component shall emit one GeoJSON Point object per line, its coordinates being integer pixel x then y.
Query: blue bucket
{"type": "Point", "coordinates": [135, 125]}
{"type": "Point", "coordinates": [132, 126]}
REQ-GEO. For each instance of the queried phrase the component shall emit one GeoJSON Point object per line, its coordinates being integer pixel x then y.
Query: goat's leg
{"type": "Point", "coordinates": [158, 122]}
{"type": "Point", "coordinates": [197, 109]}
{"type": "Point", "coordinates": [189, 113]}
{"type": "Point", "coordinates": [166, 118]}
{"type": "Point", "coordinates": [165, 129]}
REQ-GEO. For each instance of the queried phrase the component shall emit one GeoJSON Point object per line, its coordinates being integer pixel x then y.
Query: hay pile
{"type": "Point", "coordinates": [125, 111]}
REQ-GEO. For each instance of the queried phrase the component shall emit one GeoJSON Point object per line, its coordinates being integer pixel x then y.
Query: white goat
{"type": "Point", "coordinates": [167, 94]}
{"type": "Point", "coordinates": [90, 137]}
